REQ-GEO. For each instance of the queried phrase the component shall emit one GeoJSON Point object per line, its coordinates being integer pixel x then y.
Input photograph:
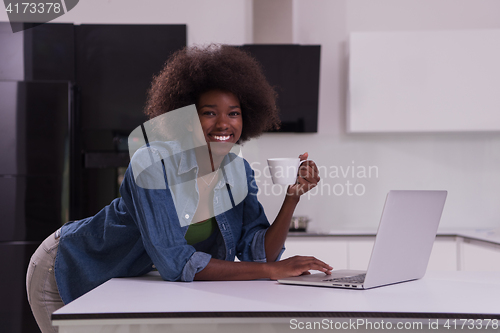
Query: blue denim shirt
{"type": "Point", "coordinates": [142, 230]}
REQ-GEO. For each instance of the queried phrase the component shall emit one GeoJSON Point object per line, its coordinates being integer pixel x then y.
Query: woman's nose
{"type": "Point", "coordinates": [222, 122]}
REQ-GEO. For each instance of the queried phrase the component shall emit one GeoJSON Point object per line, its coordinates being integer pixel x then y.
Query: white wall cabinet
{"type": "Point", "coordinates": [449, 253]}
{"type": "Point", "coordinates": [332, 251]}
{"type": "Point", "coordinates": [479, 256]}
{"type": "Point", "coordinates": [338, 252]}
{"type": "Point", "coordinates": [421, 81]}
{"type": "Point", "coordinates": [444, 255]}
{"type": "Point", "coordinates": [359, 250]}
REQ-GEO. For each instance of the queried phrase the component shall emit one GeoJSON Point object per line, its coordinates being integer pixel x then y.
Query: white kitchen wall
{"type": "Point", "coordinates": [217, 21]}
{"type": "Point", "coordinates": [465, 164]}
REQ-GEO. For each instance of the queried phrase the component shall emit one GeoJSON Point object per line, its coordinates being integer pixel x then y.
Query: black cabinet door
{"type": "Point", "coordinates": [15, 312]}
{"type": "Point", "coordinates": [115, 65]}
{"type": "Point", "coordinates": [34, 145]}
{"type": "Point", "coordinates": [114, 68]}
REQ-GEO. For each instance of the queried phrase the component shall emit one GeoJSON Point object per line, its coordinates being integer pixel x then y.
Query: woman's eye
{"type": "Point", "coordinates": [209, 113]}
{"type": "Point", "coordinates": [235, 113]}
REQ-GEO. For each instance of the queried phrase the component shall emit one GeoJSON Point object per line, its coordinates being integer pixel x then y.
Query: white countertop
{"type": "Point", "coordinates": [438, 293]}
{"type": "Point", "coordinates": [486, 235]}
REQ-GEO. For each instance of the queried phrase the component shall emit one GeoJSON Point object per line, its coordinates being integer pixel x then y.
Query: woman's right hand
{"type": "Point", "coordinates": [295, 266]}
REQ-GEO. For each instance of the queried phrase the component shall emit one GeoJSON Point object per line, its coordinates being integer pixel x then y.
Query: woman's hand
{"type": "Point", "coordinates": [296, 266]}
{"type": "Point", "coordinates": [307, 178]}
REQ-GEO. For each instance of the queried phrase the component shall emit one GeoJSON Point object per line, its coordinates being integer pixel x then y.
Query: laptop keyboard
{"type": "Point", "coordinates": [351, 279]}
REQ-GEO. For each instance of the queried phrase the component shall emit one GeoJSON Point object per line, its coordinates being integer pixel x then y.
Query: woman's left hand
{"type": "Point", "coordinates": [307, 178]}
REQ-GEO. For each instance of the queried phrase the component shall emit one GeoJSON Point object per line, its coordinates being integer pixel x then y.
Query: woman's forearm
{"type": "Point", "coordinates": [277, 232]}
{"type": "Point", "coordinates": [220, 270]}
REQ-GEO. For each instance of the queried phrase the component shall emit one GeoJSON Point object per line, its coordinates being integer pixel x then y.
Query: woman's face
{"type": "Point", "coordinates": [221, 120]}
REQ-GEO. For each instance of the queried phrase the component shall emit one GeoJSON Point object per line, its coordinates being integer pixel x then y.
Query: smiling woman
{"type": "Point", "coordinates": [195, 218]}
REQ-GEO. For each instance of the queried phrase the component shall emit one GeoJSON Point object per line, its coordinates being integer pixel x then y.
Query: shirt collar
{"type": "Point", "coordinates": [187, 162]}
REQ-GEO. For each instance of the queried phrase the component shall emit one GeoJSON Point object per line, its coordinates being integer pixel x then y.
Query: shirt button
{"type": "Point", "coordinates": [153, 266]}
{"type": "Point", "coordinates": [186, 216]}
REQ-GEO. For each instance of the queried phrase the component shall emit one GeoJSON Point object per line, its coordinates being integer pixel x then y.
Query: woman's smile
{"type": "Point", "coordinates": [220, 138]}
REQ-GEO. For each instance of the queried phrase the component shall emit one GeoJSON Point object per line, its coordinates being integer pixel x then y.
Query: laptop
{"type": "Point", "coordinates": [402, 248]}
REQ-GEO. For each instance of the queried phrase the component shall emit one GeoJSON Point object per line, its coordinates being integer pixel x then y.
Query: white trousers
{"type": "Point", "coordinates": [41, 287]}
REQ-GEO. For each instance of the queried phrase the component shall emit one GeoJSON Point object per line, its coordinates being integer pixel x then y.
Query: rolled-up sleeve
{"type": "Point", "coordinates": [258, 247]}
{"type": "Point", "coordinates": [197, 262]}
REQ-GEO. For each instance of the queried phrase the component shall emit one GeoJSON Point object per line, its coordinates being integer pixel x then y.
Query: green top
{"type": "Point", "coordinates": [200, 231]}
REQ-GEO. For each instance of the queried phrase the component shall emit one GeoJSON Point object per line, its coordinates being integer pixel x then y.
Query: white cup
{"type": "Point", "coordinates": [284, 170]}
